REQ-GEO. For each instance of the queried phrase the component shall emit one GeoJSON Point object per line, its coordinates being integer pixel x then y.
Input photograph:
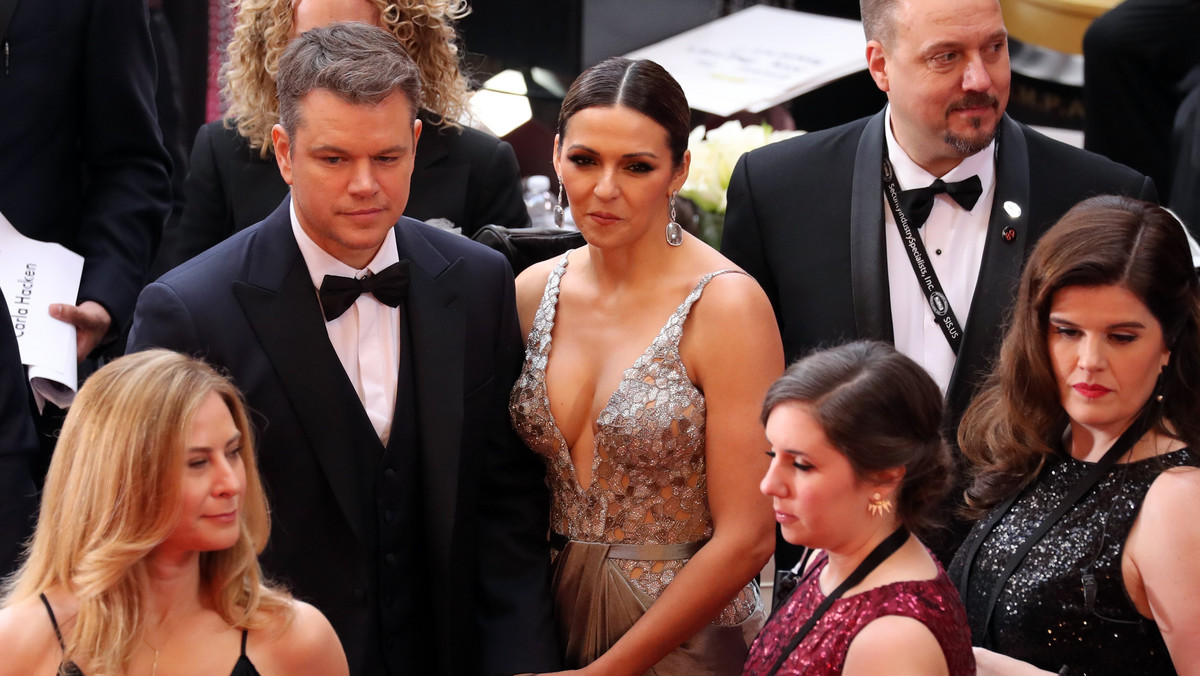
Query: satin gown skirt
{"type": "Point", "coordinates": [595, 605]}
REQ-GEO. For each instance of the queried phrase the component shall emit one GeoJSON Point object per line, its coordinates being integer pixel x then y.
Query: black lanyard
{"type": "Point", "coordinates": [1081, 488]}
{"type": "Point", "coordinates": [919, 257]}
{"type": "Point", "coordinates": [877, 556]}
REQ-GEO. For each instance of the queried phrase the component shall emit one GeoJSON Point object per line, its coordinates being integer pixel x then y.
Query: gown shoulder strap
{"type": "Point", "coordinates": [53, 620]}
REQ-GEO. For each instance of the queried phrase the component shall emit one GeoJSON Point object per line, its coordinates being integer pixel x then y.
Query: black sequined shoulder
{"type": "Point", "coordinates": [1048, 613]}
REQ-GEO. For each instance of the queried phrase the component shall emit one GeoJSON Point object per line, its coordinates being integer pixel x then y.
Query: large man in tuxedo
{"type": "Point", "coordinates": [808, 217]}
{"type": "Point", "coordinates": [403, 506]}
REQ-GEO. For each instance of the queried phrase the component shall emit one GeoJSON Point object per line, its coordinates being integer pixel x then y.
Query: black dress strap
{"type": "Point", "coordinates": [244, 633]}
{"type": "Point", "coordinates": [53, 620]}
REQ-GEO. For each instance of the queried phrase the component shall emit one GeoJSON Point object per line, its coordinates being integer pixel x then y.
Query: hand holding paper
{"type": "Point", "coordinates": [91, 322]}
{"type": "Point", "coordinates": [34, 275]}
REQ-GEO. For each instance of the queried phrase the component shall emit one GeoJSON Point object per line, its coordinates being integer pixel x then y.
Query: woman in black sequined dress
{"type": "Point", "coordinates": [1105, 339]}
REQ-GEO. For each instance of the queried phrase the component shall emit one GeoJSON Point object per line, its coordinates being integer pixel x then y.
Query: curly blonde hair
{"type": "Point", "coordinates": [425, 28]}
{"type": "Point", "coordinates": [113, 494]}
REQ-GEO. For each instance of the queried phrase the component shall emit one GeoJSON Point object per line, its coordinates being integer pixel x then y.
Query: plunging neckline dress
{"type": "Point", "coordinates": [620, 540]}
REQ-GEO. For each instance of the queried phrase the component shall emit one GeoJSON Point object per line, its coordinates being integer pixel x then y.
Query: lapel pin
{"type": "Point", "coordinates": [1009, 233]}
{"type": "Point", "coordinates": [1012, 209]}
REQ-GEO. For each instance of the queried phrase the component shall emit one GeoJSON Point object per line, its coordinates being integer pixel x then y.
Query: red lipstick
{"type": "Point", "coordinates": [1091, 391]}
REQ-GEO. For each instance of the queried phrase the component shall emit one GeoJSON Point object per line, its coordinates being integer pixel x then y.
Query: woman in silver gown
{"type": "Point", "coordinates": [647, 359]}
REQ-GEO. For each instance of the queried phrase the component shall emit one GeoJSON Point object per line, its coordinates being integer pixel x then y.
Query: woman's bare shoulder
{"type": "Point", "coordinates": [894, 644]}
{"type": "Point", "coordinates": [732, 296]}
{"type": "Point", "coordinates": [307, 644]}
{"type": "Point", "coordinates": [30, 644]}
{"type": "Point", "coordinates": [531, 284]}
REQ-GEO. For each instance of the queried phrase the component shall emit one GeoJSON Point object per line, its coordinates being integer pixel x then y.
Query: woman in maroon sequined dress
{"type": "Point", "coordinates": [857, 461]}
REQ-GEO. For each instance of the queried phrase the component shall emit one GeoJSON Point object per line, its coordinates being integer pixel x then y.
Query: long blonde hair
{"type": "Point", "coordinates": [113, 494]}
{"type": "Point", "coordinates": [425, 28]}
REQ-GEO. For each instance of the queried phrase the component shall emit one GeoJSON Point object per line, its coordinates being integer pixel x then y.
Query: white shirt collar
{"type": "Point", "coordinates": [910, 175]}
{"type": "Point", "coordinates": [321, 263]}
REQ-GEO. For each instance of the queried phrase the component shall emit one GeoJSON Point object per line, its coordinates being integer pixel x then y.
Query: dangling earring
{"type": "Point", "coordinates": [558, 208]}
{"type": "Point", "coordinates": [674, 230]}
{"type": "Point", "coordinates": [878, 505]}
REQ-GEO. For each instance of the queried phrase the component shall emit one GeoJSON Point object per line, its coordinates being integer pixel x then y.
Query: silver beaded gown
{"type": "Point", "coordinates": [621, 540]}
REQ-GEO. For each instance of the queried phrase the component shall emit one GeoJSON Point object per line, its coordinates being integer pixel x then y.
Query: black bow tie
{"type": "Point", "coordinates": [388, 286]}
{"type": "Point", "coordinates": [918, 203]}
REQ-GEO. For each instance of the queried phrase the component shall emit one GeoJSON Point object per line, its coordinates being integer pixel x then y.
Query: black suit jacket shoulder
{"type": "Point", "coordinates": [464, 176]}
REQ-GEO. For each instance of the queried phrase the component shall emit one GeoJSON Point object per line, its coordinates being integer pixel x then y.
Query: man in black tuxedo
{"type": "Point", "coordinates": [809, 217]}
{"type": "Point", "coordinates": [377, 353]}
{"type": "Point", "coordinates": [81, 158]}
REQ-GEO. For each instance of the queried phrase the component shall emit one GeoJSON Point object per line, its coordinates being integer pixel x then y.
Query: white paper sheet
{"type": "Point", "coordinates": [759, 57]}
{"type": "Point", "coordinates": [33, 275]}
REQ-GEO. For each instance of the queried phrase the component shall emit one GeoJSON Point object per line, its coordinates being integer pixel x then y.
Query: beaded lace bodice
{"type": "Point", "coordinates": [648, 468]}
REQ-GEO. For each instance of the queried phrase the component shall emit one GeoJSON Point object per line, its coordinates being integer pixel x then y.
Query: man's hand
{"type": "Point", "coordinates": [91, 322]}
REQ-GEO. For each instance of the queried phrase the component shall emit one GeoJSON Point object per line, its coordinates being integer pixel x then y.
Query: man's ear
{"type": "Point", "coordinates": [416, 133]}
{"type": "Point", "coordinates": [877, 65]}
{"type": "Point", "coordinates": [283, 152]}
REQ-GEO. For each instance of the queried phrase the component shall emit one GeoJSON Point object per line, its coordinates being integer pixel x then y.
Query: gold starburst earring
{"type": "Point", "coordinates": [879, 505]}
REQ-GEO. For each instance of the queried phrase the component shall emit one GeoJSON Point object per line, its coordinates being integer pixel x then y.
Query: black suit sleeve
{"type": "Point", "coordinates": [517, 629]}
{"type": "Point", "coordinates": [128, 188]}
{"type": "Point", "coordinates": [741, 240]}
{"type": "Point", "coordinates": [162, 320]}
{"type": "Point", "coordinates": [18, 450]}
{"type": "Point", "coordinates": [206, 219]}
{"type": "Point", "coordinates": [501, 201]}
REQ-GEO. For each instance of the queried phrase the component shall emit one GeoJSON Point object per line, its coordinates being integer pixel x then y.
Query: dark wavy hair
{"type": "Point", "coordinates": [882, 411]}
{"type": "Point", "coordinates": [1017, 420]}
{"type": "Point", "coordinates": [640, 85]}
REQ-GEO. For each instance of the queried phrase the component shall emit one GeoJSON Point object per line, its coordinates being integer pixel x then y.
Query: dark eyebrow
{"type": "Point", "coordinates": [950, 45]}
{"type": "Point", "coordinates": [580, 146]}
{"type": "Point", "coordinates": [329, 148]}
{"type": "Point", "coordinates": [1119, 325]}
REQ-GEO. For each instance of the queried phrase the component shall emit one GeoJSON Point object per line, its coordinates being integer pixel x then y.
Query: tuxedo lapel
{"type": "Point", "coordinates": [282, 309]}
{"type": "Point", "coordinates": [437, 326]}
{"type": "Point", "coordinates": [868, 255]}
{"type": "Point", "coordinates": [1000, 269]}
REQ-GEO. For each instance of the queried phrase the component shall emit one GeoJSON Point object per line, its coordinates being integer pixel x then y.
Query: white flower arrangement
{"type": "Point", "coordinates": [714, 154]}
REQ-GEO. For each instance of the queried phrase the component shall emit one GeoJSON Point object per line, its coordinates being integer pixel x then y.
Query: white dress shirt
{"type": "Point", "coordinates": [367, 336]}
{"type": "Point", "coordinates": [954, 239]}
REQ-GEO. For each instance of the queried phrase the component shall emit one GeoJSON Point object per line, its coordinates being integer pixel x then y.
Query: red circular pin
{"type": "Point", "coordinates": [1009, 234]}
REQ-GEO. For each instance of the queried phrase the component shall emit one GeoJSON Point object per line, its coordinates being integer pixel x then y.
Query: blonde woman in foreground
{"type": "Point", "coordinates": [145, 555]}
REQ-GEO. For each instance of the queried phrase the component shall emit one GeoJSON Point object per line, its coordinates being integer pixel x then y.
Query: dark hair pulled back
{"type": "Point", "coordinates": [882, 411]}
{"type": "Point", "coordinates": [640, 85]}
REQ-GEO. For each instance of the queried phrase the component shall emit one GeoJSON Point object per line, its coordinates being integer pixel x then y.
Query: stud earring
{"type": "Point", "coordinates": [558, 208]}
{"type": "Point", "coordinates": [878, 505]}
{"type": "Point", "coordinates": [674, 230]}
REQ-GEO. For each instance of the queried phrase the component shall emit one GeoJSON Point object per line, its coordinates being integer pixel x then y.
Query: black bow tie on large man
{"type": "Point", "coordinates": [389, 286]}
{"type": "Point", "coordinates": [917, 203]}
